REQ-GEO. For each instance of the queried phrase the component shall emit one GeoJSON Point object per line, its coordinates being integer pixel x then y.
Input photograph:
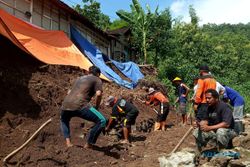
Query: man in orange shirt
{"type": "Point", "coordinates": [205, 82]}
{"type": "Point", "coordinates": [157, 98]}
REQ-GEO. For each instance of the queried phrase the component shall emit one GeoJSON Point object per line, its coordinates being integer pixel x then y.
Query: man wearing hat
{"type": "Point", "coordinates": [205, 82]}
{"type": "Point", "coordinates": [157, 98]}
{"type": "Point", "coordinates": [183, 90]}
{"type": "Point", "coordinates": [124, 111]}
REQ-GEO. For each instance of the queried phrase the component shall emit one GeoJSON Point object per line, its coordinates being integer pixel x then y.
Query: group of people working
{"type": "Point", "coordinates": [214, 118]}
{"type": "Point", "coordinates": [76, 104]}
{"type": "Point", "coordinates": [216, 123]}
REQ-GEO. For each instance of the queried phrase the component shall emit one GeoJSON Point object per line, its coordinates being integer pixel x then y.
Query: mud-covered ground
{"type": "Point", "coordinates": [31, 93]}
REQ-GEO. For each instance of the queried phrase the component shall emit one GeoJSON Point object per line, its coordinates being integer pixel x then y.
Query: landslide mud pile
{"type": "Point", "coordinates": [32, 92]}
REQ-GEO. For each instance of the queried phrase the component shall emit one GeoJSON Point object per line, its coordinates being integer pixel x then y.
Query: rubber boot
{"type": "Point", "coordinates": [157, 126]}
{"type": "Point", "coordinates": [238, 127]}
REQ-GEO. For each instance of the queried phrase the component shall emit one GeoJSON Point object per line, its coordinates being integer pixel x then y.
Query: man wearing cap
{"type": "Point", "coordinates": [205, 82]}
{"type": "Point", "coordinates": [157, 98]}
{"type": "Point", "coordinates": [183, 90]}
{"type": "Point", "coordinates": [124, 111]}
{"type": "Point", "coordinates": [76, 104]}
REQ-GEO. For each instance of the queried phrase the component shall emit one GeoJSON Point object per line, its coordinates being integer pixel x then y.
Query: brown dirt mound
{"type": "Point", "coordinates": [32, 92]}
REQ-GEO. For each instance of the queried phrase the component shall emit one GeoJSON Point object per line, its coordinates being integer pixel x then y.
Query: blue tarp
{"type": "Point", "coordinates": [130, 70]}
{"type": "Point", "coordinates": [96, 58]}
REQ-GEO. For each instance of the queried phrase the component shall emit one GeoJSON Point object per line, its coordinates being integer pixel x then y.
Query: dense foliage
{"type": "Point", "coordinates": [139, 22]}
{"type": "Point", "coordinates": [224, 48]}
{"type": "Point", "coordinates": [117, 24]}
{"type": "Point", "coordinates": [92, 10]}
{"type": "Point", "coordinates": [177, 48]}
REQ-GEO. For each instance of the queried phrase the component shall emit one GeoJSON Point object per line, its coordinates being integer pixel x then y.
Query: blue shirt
{"type": "Point", "coordinates": [182, 90]}
{"type": "Point", "coordinates": [235, 98]}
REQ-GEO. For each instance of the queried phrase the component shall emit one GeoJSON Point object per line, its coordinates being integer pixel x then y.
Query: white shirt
{"type": "Point", "coordinates": [195, 89]}
{"type": "Point", "coordinates": [219, 87]}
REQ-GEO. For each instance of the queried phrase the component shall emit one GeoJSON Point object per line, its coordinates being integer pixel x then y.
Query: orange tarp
{"type": "Point", "coordinates": [51, 47]}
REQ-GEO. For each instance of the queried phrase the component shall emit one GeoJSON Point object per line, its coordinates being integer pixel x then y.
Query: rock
{"type": "Point", "coordinates": [242, 141]}
{"type": "Point", "coordinates": [237, 141]}
{"type": "Point", "coordinates": [244, 153]}
{"type": "Point", "coordinates": [113, 162]}
{"type": "Point", "coordinates": [178, 159]}
{"type": "Point", "coordinates": [236, 163]}
{"type": "Point", "coordinates": [220, 161]}
{"type": "Point", "coordinates": [207, 164]}
{"type": "Point", "coordinates": [112, 132]}
{"type": "Point", "coordinates": [132, 153]}
{"type": "Point", "coordinates": [246, 163]}
{"type": "Point", "coordinates": [82, 136]}
{"type": "Point", "coordinates": [217, 162]}
{"type": "Point", "coordinates": [247, 116]}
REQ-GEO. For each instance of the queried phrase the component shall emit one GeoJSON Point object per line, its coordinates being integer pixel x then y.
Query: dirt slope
{"type": "Point", "coordinates": [32, 92]}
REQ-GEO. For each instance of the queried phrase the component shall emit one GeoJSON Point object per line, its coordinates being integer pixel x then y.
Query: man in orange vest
{"type": "Point", "coordinates": [205, 82]}
{"type": "Point", "coordinates": [157, 98]}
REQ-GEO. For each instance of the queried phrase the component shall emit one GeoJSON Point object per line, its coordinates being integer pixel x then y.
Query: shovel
{"type": "Point", "coordinates": [182, 139]}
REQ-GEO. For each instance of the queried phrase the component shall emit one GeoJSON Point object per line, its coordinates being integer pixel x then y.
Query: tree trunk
{"type": "Point", "coordinates": [144, 47]}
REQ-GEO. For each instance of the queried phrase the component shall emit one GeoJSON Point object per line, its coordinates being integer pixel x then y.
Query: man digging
{"type": "Point", "coordinates": [124, 111]}
{"type": "Point", "coordinates": [156, 98]}
{"type": "Point", "coordinates": [76, 104]}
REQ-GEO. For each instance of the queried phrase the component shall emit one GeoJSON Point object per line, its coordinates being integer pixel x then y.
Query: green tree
{"type": "Point", "coordinates": [139, 22]}
{"type": "Point", "coordinates": [231, 62]}
{"type": "Point", "coordinates": [224, 48]}
{"type": "Point", "coordinates": [159, 38]}
{"type": "Point", "coordinates": [117, 24]}
{"type": "Point", "coordinates": [193, 16]}
{"type": "Point", "coordinates": [92, 10]}
{"type": "Point", "coordinates": [189, 49]}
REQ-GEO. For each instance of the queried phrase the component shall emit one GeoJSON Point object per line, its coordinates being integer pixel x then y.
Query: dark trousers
{"type": "Point", "coordinates": [162, 112]}
{"type": "Point", "coordinates": [89, 114]}
{"type": "Point", "coordinates": [202, 109]}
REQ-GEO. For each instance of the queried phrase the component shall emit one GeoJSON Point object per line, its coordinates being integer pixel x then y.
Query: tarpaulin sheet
{"type": "Point", "coordinates": [130, 70]}
{"type": "Point", "coordinates": [52, 47]}
{"type": "Point", "coordinates": [96, 58]}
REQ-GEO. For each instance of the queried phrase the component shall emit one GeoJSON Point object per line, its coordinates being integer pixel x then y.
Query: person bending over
{"type": "Point", "coordinates": [76, 104]}
{"type": "Point", "coordinates": [124, 111]}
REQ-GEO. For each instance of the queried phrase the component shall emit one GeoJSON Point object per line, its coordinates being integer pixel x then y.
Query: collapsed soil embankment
{"type": "Point", "coordinates": [32, 92]}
